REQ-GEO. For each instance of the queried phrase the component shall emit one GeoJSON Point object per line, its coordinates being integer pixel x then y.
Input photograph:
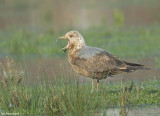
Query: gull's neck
{"type": "Point", "coordinates": [81, 43]}
{"type": "Point", "coordinates": [77, 46]}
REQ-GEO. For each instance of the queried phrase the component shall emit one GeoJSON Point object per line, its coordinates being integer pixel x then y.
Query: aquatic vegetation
{"type": "Point", "coordinates": [63, 97]}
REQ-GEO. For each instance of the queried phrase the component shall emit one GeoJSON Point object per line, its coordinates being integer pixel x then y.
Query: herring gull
{"type": "Point", "coordinates": [94, 62]}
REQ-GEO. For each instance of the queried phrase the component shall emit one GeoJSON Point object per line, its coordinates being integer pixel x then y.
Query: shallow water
{"type": "Point", "coordinates": [139, 111]}
{"type": "Point", "coordinates": [55, 68]}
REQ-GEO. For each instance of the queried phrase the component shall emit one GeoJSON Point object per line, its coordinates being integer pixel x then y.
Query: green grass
{"type": "Point", "coordinates": [66, 96]}
{"type": "Point", "coordinates": [136, 42]}
{"type": "Point", "coordinates": [69, 97]}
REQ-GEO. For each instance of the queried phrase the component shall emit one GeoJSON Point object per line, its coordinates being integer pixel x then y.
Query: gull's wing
{"type": "Point", "coordinates": [97, 61]}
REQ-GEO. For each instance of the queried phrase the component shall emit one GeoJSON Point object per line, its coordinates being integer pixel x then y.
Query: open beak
{"type": "Point", "coordinates": [62, 37]}
{"type": "Point", "coordinates": [65, 48]}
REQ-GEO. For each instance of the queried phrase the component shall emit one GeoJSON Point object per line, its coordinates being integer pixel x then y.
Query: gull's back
{"type": "Point", "coordinates": [89, 52]}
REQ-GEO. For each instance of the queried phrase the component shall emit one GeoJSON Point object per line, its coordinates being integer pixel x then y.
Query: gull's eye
{"type": "Point", "coordinates": [70, 35]}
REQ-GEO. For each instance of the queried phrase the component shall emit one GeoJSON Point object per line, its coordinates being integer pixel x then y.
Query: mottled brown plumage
{"type": "Point", "coordinates": [94, 62]}
{"type": "Point", "coordinates": [101, 65]}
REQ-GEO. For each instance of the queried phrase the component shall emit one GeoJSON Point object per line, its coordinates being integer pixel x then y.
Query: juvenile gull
{"type": "Point", "coordinates": [94, 62]}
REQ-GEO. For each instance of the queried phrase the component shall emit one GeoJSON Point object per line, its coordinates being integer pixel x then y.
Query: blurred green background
{"type": "Point", "coordinates": [31, 27]}
{"type": "Point", "coordinates": [126, 28]}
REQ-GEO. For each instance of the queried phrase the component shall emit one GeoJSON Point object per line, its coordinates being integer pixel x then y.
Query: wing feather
{"type": "Point", "coordinates": [95, 62]}
{"type": "Point", "coordinates": [101, 62]}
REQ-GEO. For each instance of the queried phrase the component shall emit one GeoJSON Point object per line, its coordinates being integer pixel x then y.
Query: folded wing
{"type": "Point", "coordinates": [101, 64]}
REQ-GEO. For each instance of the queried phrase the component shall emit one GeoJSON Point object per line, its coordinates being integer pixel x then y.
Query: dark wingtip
{"type": "Point", "coordinates": [137, 66]}
{"type": "Point", "coordinates": [134, 64]}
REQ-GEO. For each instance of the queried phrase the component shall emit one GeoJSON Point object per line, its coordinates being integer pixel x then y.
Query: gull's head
{"type": "Point", "coordinates": [75, 40]}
